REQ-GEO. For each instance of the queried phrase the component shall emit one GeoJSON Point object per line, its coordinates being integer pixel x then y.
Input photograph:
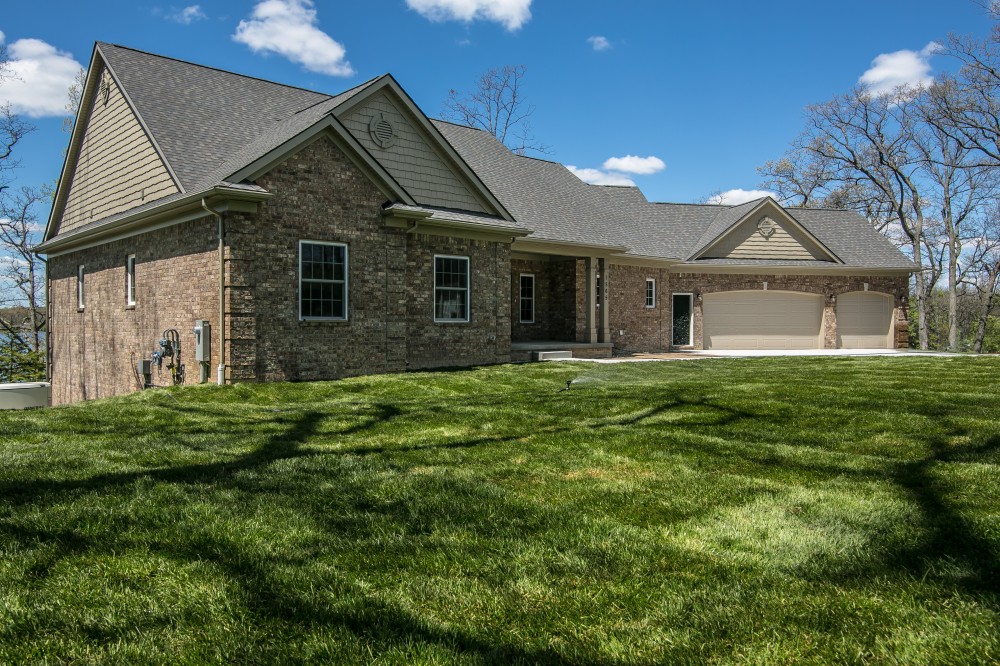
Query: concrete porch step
{"type": "Point", "coordinates": [551, 355]}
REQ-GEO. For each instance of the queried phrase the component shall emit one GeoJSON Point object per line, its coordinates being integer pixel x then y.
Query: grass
{"type": "Point", "coordinates": [752, 511]}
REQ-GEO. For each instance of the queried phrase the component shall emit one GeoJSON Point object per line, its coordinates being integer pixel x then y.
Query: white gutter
{"type": "Point", "coordinates": [138, 220]}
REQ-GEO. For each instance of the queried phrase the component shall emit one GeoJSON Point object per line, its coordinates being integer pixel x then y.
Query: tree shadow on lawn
{"type": "Point", "coordinates": [951, 550]}
{"type": "Point", "coordinates": [377, 623]}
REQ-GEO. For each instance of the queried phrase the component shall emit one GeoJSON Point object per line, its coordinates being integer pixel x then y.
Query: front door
{"type": "Point", "coordinates": [682, 320]}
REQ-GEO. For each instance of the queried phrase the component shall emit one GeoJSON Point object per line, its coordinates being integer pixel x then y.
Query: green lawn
{"type": "Point", "coordinates": [752, 511]}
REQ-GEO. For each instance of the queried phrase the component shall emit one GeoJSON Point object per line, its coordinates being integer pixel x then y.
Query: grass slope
{"type": "Point", "coordinates": [725, 511]}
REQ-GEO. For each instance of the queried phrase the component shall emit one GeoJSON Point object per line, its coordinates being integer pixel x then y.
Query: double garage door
{"type": "Point", "coordinates": [793, 320]}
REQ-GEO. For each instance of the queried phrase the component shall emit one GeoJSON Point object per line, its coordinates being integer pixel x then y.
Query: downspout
{"type": "Point", "coordinates": [221, 372]}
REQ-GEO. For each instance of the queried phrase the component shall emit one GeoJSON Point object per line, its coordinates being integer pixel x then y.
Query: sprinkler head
{"type": "Point", "coordinates": [568, 384]}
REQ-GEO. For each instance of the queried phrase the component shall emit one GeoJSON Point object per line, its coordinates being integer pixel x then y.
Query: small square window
{"type": "Point", "coordinates": [650, 293]}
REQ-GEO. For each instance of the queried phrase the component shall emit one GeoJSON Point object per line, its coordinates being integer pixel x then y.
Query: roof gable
{"type": "Point", "coordinates": [414, 151]}
{"type": "Point", "coordinates": [113, 163]}
{"type": "Point", "coordinates": [199, 115]}
{"type": "Point", "coordinates": [760, 229]}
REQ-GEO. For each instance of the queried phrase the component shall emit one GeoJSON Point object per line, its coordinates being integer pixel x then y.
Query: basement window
{"type": "Point", "coordinates": [451, 289]}
{"type": "Point", "coordinates": [650, 293]}
{"type": "Point", "coordinates": [527, 298]}
{"type": "Point", "coordinates": [322, 281]}
{"type": "Point", "coordinates": [80, 300]}
{"type": "Point", "coordinates": [130, 280]}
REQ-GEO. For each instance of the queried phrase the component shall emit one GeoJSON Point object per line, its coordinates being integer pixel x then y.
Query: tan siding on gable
{"type": "Point", "coordinates": [117, 168]}
{"type": "Point", "coordinates": [745, 242]}
{"type": "Point", "coordinates": [411, 160]}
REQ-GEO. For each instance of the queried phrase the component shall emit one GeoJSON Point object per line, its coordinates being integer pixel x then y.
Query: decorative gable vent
{"type": "Point", "coordinates": [382, 131]}
{"type": "Point", "coordinates": [105, 90]}
{"type": "Point", "coordinates": [766, 227]}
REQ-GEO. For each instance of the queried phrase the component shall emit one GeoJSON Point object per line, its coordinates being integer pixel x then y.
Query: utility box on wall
{"type": "Point", "coordinates": [202, 340]}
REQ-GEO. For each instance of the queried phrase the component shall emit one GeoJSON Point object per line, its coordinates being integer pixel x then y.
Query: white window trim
{"type": "Point", "coordinates": [520, 298]}
{"type": "Point", "coordinates": [646, 295]}
{"type": "Point", "coordinates": [130, 280]}
{"type": "Point", "coordinates": [690, 296]}
{"type": "Point", "coordinates": [346, 280]}
{"type": "Point", "coordinates": [468, 289]}
{"type": "Point", "coordinates": [81, 300]}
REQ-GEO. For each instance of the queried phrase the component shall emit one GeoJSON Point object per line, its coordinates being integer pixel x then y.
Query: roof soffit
{"type": "Point", "coordinates": [770, 207]}
{"type": "Point", "coordinates": [433, 137]}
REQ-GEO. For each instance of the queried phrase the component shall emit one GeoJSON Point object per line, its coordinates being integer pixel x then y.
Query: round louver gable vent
{"type": "Point", "coordinates": [382, 131]}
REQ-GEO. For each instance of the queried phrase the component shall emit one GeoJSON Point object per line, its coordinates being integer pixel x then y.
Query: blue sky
{"type": "Point", "coordinates": [711, 90]}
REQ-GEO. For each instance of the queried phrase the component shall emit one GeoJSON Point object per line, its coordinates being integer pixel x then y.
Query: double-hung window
{"type": "Point", "coordinates": [322, 280]}
{"type": "Point", "coordinates": [451, 288]}
{"type": "Point", "coordinates": [650, 293]}
{"type": "Point", "coordinates": [130, 280]}
{"type": "Point", "coordinates": [527, 298]}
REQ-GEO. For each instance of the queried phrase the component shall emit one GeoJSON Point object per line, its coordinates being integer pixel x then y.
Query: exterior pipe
{"type": "Point", "coordinates": [221, 372]}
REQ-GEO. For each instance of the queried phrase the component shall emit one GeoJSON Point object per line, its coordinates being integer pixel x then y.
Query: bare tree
{"type": "Point", "coordinates": [960, 187]}
{"type": "Point", "coordinates": [21, 272]}
{"type": "Point", "coordinates": [497, 105]}
{"type": "Point", "coordinates": [22, 287]}
{"type": "Point", "coordinates": [966, 106]}
{"type": "Point", "coordinates": [73, 96]}
{"type": "Point", "coordinates": [858, 150]}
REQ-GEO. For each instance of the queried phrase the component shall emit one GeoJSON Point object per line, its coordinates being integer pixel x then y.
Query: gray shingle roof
{"type": "Point", "coordinates": [199, 116]}
{"type": "Point", "coordinates": [210, 124]}
{"type": "Point", "coordinates": [549, 199]}
{"type": "Point", "coordinates": [543, 196]}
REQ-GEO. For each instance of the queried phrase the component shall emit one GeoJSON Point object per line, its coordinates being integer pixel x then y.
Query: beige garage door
{"type": "Point", "coordinates": [762, 320]}
{"type": "Point", "coordinates": [864, 320]}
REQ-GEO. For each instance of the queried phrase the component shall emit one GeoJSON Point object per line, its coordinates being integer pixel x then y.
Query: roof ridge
{"type": "Point", "coordinates": [219, 69]}
{"type": "Point", "coordinates": [450, 122]}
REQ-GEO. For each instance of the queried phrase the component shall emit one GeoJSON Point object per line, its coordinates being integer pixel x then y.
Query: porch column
{"type": "Point", "coordinates": [605, 319]}
{"type": "Point", "coordinates": [591, 306]}
{"type": "Point", "coordinates": [830, 322]}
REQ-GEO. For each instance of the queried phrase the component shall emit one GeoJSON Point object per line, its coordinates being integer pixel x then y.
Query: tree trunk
{"type": "Point", "coordinates": [33, 308]}
{"type": "Point", "coordinates": [920, 278]}
{"type": "Point", "coordinates": [984, 315]}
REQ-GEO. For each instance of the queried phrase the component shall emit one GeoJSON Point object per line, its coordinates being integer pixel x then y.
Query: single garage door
{"type": "Point", "coordinates": [864, 320]}
{"type": "Point", "coordinates": [762, 320]}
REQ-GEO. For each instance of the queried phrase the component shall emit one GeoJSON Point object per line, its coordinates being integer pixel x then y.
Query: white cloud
{"type": "Point", "coordinates": [40, 77]}
{"type": "Point", "coordinates": [738, 196]}
{"type": "Point", "coordinates": [288, 28]}
{"type": "Point", "coordinates": [642, 166]}
{"type": "Point", "coordinates": [598, 177]}
{"type": "Point", "coordinates": [187, 15]}
{"type": "Point", "coordinates": [512, 14]}
{"type": "Point", "coordinates": [599, 43]}
{"type": "Point", "coordinates": [900, 68]}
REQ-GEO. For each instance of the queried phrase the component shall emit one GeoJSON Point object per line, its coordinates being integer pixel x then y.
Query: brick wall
{"type": "Point", "coordinates": [94, 351]}
{"type": "Point", "coordinates": [634, 327]}
{"type": "Point", "coordinates": [485, 338]}
{"type": "Point", "coordinates": [319, 194]}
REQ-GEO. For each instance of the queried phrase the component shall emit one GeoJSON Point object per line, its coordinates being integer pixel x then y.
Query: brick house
{"type": "Point", "coordinates": [325, 236]}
